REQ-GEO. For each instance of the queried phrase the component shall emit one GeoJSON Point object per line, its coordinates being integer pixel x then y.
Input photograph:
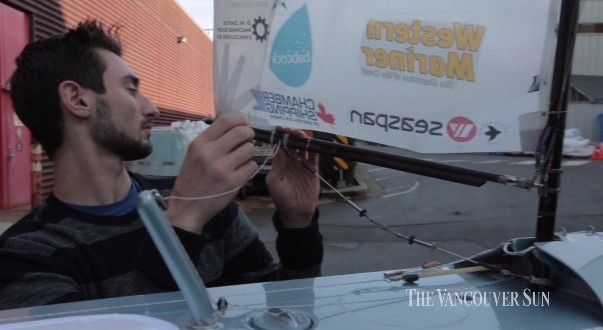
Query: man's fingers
{"type": "Point", "coordinates": [241, 155]}
{"type": "Point", "coordinates": [237, 136]}
{"type": "Point", "coordinates": [244, 172]}
{"type": "Point", "coordinates": [223, 125]}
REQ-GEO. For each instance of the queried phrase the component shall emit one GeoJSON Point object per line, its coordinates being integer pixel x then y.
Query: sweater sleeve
{"type": "Point", "coordinates": [232, 253]}
{"type": "Point", "coordinates": [300, 252]}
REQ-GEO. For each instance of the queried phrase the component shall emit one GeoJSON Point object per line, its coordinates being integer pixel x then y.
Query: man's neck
{"type": "Point", "coordinates": [90, 179]}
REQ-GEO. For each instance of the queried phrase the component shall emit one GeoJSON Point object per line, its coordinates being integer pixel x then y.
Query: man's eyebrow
{"type": "Point", "coordinates": [133, 79]}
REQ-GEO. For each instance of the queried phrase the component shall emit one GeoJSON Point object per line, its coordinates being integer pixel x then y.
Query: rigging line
{"type": "Point", "coordinates": [338, 303]}
{"type": "Point", "coordinates": [541, 152]}
{"type": "Point", "coordinates": [380, 280]}
{"type": "Point", "coordinates": [359, 309]}
{"type": "Point", "coordinates": [461, 288]}
{"type": "Point", "coordinates": [547, 164]}
{"type": "Point", "coordinates": [362, 212]}
{"type": "Point", "coordinates": [337, 296]}
{"type": "Point", "coordinates": [268, 157]}
{"type": "Point", "coordinates": [109, 309]}
{"type": "Point", "coordinates": [410, 239]}
{"type": "Point", "coordinates": [180, 301]}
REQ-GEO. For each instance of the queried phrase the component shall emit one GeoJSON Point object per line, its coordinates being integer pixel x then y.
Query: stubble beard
{"type": "Point", "coordinates": [116, 141]}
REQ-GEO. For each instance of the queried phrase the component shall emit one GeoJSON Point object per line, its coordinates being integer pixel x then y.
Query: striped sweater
{"type": "Point", "coordinates": [57, 254]}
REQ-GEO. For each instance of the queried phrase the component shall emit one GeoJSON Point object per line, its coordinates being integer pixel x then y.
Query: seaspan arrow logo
{"type": "Point", "coordinates": [461, 129]}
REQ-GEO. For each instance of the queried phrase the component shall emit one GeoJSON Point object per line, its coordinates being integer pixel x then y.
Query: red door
{"type": "Point", "coordinates": [15, 151]}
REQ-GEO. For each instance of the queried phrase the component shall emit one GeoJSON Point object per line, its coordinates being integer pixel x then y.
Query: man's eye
{"type": "Point", "coordinates": [132, 90]}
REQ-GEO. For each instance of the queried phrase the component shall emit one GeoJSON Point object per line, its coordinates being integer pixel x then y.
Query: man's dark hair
{"type": "Point", "coordinates": [44, 64]}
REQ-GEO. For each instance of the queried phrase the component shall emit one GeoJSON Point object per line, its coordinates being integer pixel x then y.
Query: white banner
{"type": "Point", "coordinates": [426, 75]}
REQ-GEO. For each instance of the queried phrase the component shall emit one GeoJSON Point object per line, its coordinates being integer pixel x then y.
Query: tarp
{"type": "Point", "coordinates": [425, 75]}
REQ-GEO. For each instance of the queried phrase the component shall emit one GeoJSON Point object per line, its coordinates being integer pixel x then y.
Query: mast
{"type": "Point", "coordinates": [396, 162]}
{"type": "Point", "coordinates": [551, 176]}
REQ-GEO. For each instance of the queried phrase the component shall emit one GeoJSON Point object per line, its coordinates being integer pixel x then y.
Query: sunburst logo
{"type": "Point", "coordinates": [260, 29]}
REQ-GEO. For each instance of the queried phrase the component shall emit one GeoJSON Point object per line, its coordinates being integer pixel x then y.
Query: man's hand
{"type": "Point", "coordinates": [220, 159]}
{"type": "Point", "coordinates": [293, 188]}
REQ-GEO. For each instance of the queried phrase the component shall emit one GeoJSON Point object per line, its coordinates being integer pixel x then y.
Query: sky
{"type": "Point", "coordinates": [201, 11]}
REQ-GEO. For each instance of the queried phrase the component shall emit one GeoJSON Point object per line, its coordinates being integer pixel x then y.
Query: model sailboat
{"type": "Point", "coordinates": [405, 62]}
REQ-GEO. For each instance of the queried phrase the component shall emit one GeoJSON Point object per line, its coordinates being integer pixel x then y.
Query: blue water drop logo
{"type": "Point", "coordinates": [291, 55]}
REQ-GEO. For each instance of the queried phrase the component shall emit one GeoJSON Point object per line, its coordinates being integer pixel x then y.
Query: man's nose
{"type": "Point", "coordinates": [148, 108]}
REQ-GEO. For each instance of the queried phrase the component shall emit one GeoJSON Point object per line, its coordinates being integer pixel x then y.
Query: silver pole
{"type": "Point", "coordinates": [176, 258]}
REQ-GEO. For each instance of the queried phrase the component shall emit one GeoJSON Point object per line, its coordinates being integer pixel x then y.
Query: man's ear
{"type": "Point", "coordinates": [76, 99]}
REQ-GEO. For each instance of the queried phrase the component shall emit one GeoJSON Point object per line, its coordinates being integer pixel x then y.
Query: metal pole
{"type": "Point", "coordinates": [181, 267]}
{"type": "Point", "coordinates": [560, 88]}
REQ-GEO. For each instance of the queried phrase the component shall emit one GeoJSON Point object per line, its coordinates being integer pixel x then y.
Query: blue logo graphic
{"type": "Point", "coordinates": [291, 56]}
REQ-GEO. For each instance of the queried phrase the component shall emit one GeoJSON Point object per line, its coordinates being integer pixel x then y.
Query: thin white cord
{"type": "Point", "coordinates": [269, 157]}
{"type": "Point", "coordinates": [516, 253]}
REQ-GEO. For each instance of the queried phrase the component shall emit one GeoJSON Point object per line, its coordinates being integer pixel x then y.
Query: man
{"type": "Point", "coordinates": [81, 100]}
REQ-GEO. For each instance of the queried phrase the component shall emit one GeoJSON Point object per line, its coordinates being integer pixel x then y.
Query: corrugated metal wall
{"type": "Point", "coordinates": [588, 53]}
{"type": "Point", "coordinates": [47, 18]}
{"type": "Point", "coordinates": [590, 11]}
{"type": "Point", "coordinates": [588, 60]}
{"type": "Point", "coordinates": [177, 77]}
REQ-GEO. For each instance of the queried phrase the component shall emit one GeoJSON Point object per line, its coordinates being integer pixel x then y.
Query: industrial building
{"type": "Point", "coordinates": [171, 55]}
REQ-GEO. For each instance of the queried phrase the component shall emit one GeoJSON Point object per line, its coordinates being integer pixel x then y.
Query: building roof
{"type": "Point", "coordinates": [591, 87]}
